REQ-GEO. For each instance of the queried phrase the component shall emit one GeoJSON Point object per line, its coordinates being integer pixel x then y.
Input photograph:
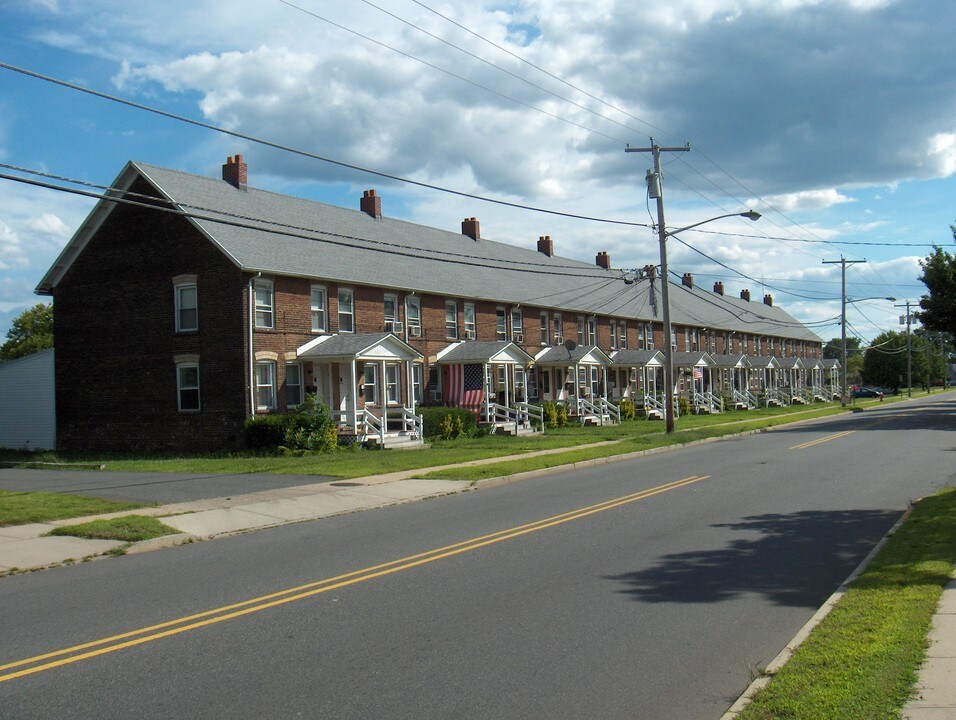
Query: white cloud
{"type": "Point", "coordinates": [942, 150]}
{"type": "Point", "coordinates": [806, 200]}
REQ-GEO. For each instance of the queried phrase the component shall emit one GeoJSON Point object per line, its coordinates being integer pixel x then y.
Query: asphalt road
{"type": "Point", "coordinates": [642, 589]}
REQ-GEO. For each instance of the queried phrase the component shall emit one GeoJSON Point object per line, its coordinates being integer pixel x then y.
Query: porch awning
{"type": "Point", "coordinates": [358, 346]}
{"type": "Point", "coordinates": [560, 356]}
{"type": "Point", "coordinates": [637, 358]}
{"type": "Point", "coordinates": [764, 362]}
{"type": "Point", "coordinates": [692, 359]}
{"type": "Point", "coordinates": [733, 362]}
{"type": "Point", "coordinates": [830, 364]}
{"type": "Point", "coordinates": [791, 363]}
{"type": "Point", "coordinates": [500, 352]}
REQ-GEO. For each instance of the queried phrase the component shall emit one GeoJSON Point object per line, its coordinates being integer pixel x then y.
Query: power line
{"type": "Point", "coordinates": [303, 153]}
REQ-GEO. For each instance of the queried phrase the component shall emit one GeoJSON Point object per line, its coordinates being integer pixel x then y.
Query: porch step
{"type": "Point", "coordinates": [401, 441]}
{"type": "Point", "coordinates": [654, 415]}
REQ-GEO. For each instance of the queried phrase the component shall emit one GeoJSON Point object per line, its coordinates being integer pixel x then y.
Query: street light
{"type": "Point", "coordinates": [663, 234]}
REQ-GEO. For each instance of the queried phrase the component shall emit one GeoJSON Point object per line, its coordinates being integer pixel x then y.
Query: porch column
{"type": "Point", "coordinates": [487, 383]}
{"type": "Point", "coordinates": [604, 373]}
{"type": "Point", "coordinates": [509, 380]}
{"type": "Point", "coordinates": [353, 394]}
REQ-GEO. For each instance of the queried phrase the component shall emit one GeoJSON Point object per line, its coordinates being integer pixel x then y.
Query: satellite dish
{"type": "Point", "coordinates": [570, 344]}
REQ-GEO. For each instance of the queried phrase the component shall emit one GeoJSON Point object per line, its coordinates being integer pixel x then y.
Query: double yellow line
{"type": "Point", "coordinates": [95, 648]}
{"type": "Point", "coordinates": [837, 436]}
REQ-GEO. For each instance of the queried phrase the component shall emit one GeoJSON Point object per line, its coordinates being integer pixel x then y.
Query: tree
{"type": "Point", "coordinates": [939, 276]}
{"type": "Point", "coordinates": [884, 364]}
{"type": "Point", "coordinates": [833, 350]}
{"type": "Point", "coordinates": [31, 332]}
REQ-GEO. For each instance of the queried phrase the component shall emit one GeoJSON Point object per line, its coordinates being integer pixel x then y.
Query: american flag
{"type": "Point", "coordinates": [464, 386]}
{"type": "Point", "coordinates": [698, 374]}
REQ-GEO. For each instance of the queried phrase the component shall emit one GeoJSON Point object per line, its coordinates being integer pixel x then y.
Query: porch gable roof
{"type": "Point", "coordinates": [732, 361]}
{"type": "Point", "coordinates": [499, 352]}
{"type": "Point", "coordinates": [791, 363]}
{"type": "Point", "coordinates": [692, 359]}
{"type": "Point", "coordinates": [582, 354]}
{"type": "Point", "coordinates": [358, 346]}
{"type": "Point", "coordinates": [764, 362]}
{"type": "Point", "coordinates": [830, 363]}
{"type": "Point", "coordinates": [637, 358]}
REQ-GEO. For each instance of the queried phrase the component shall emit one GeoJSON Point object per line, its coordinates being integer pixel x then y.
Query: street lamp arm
{"type": "Point", "coordinates": [749, 214]}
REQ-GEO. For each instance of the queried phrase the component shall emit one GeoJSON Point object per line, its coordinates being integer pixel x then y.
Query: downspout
{"type": "Point", "coordinates": [252, 354]}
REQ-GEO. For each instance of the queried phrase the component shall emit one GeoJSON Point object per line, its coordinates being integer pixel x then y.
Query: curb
{"type": "Point", "coordinates": [803, 633]}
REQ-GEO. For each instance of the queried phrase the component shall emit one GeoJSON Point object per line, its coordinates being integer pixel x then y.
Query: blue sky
{"type": "Point", "coordinates": [836, 119]}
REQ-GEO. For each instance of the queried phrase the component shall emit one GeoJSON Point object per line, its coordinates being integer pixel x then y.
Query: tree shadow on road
{"type": "Point", "coordinates": [794, 559]}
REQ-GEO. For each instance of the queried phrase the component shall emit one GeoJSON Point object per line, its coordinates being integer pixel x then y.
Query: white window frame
{"type": "Point", "coordinates": [390, 316]}
{"type": "Point", "coordinates": [265, 303]}
{"type": "Point", "coordinates": [266, 384]}
{"type": "Point", "coordinates": [592, 330]}
{"type": "Point", "coordinates": [517, 323]}
{"type": "Point", "coordinates": [413, 312]}
{"type": "Point", "coordinates": [622, 334]}
{"type": "Point", "coordinates": [319, 308]}
{"type": "Point", "coordinates": [545, 335]}
{"type": "Point", "coordinates": [294, 369]}
{"type": "Point", "coordinates": [451, 320]}
{"type": "Point", "coordinates": [182, 386]}
{"type": "Point", "coordinates": [582, 329]}
{"type": "Point", "coordinates": [370, 383]}
{"type": "Point", "coordinates": [558, 329]}
{"type": "Point", "coordinates": [501, 324]}
{"type": "Point", "coordinates": [346, 298]}
{"type": "Point", "coordinates": [613, 325]}
{"type": "Point", "coordinates": [470, 320]}
{"type": "Point", "coordinates": [417, 383]}
{"type": "Point", "coordinates": [178, 291]}
{"type": "Point", "coordinates": [393, 383]}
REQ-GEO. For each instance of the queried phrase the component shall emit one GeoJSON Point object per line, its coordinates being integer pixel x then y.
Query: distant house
{"type": "Point", "coordinates": [27, 394]}
{"type": "Point", "coordinates": [191, 303]}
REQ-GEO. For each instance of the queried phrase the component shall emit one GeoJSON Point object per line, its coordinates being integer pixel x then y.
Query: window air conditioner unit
{"type": "Point", "coordinates": [395, 327]}
{"type": "Point", "coordinates": [469, 334]}
{"type": "Point", "coordinates": [415, 330]}
{"type": "Point", "coordinates": [517, 337]}
{"type": "Point", "coordinates": [559, 339]}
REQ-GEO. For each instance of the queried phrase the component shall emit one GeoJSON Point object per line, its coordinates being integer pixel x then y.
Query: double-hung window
{"type": "Point", "coordinates": [545, 337]}
{"type": "Point", "coordinates": [613, 334]}
{"type": "Point", "coordinates": [370, 387]}
{"type": "Point", "coordinates": [346, 310]}
{"type": "Point", "coordinates": [592, 330]}
{"type": "Point", "coordinates": [451, 320]}
{"type": "Point", "coordinates": [187, 386]}
{"type": "Point", "coordinates": [501, 324]}
{"type": "Point", "coordinates": [558, 329]}
{"type": "Point", "coordinates": [187, 307]}
{"type": "Point", "coordinates": [294, 390]}
{"type": "Point", "coordinates": [390, 309]}
{"type": "Point", "coordinates": [622, 335]}
{"type": "Point", "coordinates": [319, 308]}
{"type": "Point", "coordinates": [265, 304]}
{"type": "Point", "coordinates": [470, 325]}
{"type": "Point", "coordinates": [265, 385]}
{"type": "Point", "coordinates": [392, 385]}
{"type": "Point", "coordinates": [517, 325]}
{"type": "Point", "coordinates": [582, 325]}
{"type": "Point", "coordinates": [413, 315]}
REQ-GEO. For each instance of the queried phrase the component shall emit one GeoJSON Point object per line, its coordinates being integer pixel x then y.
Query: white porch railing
{"type": "Point", "coordinates": [374, 427]}
{"type": "Point", "coordinates": [745, 398]}
{"type": "Point", "coordinates": [653, 405]}
{"type": "Point", "coordinates": [707, 402]}
{"type": "Point", "coordinates": [371, 426]}
{"type": "Point", "coordinates": [820, 393]}
{"type": "Point", "coordinates": [611, 410]}
{"type": "Point", "coordinates": [773, 396]}
{"type": "Point", "coordinates": [528, 412]}
{"type": "Point", "coordinates": [601, 409]}
{"type": "Point", "coordinates": [501, 415]}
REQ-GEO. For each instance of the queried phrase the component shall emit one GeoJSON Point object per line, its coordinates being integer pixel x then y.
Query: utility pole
{"type": "Point", "coordinates": [843, 262]}
{"type": "Point", "coordinates": [909, 351]}
{"type": "Point", "coordinates": [655, 189]}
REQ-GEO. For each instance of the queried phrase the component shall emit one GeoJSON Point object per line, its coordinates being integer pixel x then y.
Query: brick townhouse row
{"type": "Point", "coordinates": [191, 303]}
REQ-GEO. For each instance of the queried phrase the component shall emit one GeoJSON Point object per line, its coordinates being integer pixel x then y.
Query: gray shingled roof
{"type": "Point", "coordinates": [345, 345]}
{"type": "Point", "coordinates": [297, 237]}
{"type": "Point", "coordinates": [690, 359]}
{"type": "Point", "coordinates": [731, 361]}
{"type": "Point", "coordinates": [482, 352]}
{"type": "Point", "coordinates": [636, 358]}
{"type": "Point", "coordinates": [560, 354]}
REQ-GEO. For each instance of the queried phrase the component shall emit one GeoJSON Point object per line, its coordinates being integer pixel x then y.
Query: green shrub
{"type": "Point", "coordinates": [628, 409]}
{"type": "Point", "coordinates": [460, 421]}
{"type": "Point", "coordinates": [683, 406]}
{"type": "Point", "coordinates": [310, 428]}
{"type": "Point", "coordinates": [555, 414]}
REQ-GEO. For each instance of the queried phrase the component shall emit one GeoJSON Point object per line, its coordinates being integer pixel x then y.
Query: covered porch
{"type": "Point", "coordinates": [831, 378]}
{"type": "Point", "coordinates": [765, 380]}
{"type": "Point", "coordinates": [492, 380]}
{"type": "Point", "coordinates": [695, 381]}
{"type": "Point", "coordinates": [732, 373]}
{"type": "Point", "coordinates": [795, 385]}
{"type": "Point", "coordinates": [639, 376]}
{"type": "Point", "coordinates": [577, 377]}
{"type": "Point", "coordinates": [371, 382]}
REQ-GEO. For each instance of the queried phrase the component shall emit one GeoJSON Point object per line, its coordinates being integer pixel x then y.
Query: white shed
{"type": "Point", "coordinates": [27, 402]}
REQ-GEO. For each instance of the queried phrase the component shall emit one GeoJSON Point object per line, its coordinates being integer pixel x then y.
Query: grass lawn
{"type": "Point", "coordinates": [130, 528]}
{"type": "Point", "coordinates": [19, 508]}
{"type": "Point", "coordinates": [862, 660]}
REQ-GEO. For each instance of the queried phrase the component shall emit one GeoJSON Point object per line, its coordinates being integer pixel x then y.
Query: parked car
{"type": "Point", "coordinates": [867, 392]}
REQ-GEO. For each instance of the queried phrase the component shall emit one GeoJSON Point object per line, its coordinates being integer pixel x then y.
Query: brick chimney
{"type": "Point", "coordinates": [745, 295]}
{"type": "Point", "coordinates": [650, 271]}
{"type": "Point", "coordinates": [688, 280]}
{"type": "Point", "coordinates": [602, 259]}
{"type": "Point", "coordinates": [371, 204]}
{"type": "Point", "coordinates": [719, 287]}
{"type": "Point", "coordinates": [546, 245]}
{"type": "Point", "coordinates": [469, 227]}
{"type": "Point", "coordinates": [768, 300]}
{"type": "Point", "coordinates": [235, 172]}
